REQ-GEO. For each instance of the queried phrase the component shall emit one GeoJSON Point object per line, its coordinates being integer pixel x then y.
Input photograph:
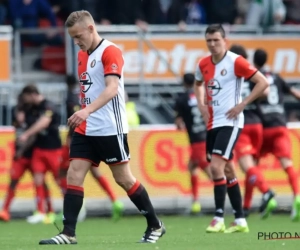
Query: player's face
{"type": "Point", "coordinates": [82, 35]}
{"type": "Point", "coordinates": [216, 44]}
{"type": "Point", "coordinates": [28, 99]}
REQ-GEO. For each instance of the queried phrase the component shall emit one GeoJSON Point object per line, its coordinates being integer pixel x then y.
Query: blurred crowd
{"type": "Point", "coordinates": [28, 13]}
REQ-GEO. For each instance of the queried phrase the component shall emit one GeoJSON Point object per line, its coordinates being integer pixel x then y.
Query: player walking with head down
{"type": "Point", "coordinates": [101, 128]}
{"type": "Point", "coordinates": [219, 79]}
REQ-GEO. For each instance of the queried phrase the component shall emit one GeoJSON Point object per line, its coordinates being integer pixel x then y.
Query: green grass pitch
{"type": "Point", "coordinates": [183, 233]}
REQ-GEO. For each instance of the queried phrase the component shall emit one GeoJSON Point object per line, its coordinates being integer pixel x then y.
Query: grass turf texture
{"type": "Point", "coordinates": [183, 233]}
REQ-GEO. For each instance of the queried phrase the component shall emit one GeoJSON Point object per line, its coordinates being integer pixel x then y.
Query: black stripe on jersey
{"type": "Point", "coordinates": [112, 74]}
{"type": "Point", "coordinates": [248, 79]}
{"type": "Point", "coordinates": [116, 115]}
{"type": "Point", "coordinates": [118, 108]}
{"type": "Point", "coordinates": [237, 94]}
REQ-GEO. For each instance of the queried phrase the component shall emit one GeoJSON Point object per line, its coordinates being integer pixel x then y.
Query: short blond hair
{"type": "Point", "coordinates": [78, 16]}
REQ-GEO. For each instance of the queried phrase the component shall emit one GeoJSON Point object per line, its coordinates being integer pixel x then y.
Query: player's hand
{"type": "Point", "coordinates": [234, 112]}
{"type": "Point", "coordinates": [205, 114]}
{"type": "Point", "coordinates": [23, 138]}
{"type": "Point", "coordinates": [77, 118]}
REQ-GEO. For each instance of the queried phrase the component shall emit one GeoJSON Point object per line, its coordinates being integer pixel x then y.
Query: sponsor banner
{"type": "Point", "coordinates": [183, 52]}
{"type": "Point", "coordinates": [158, 160]}
{"type": "Point", "coordinates": [5, 58]}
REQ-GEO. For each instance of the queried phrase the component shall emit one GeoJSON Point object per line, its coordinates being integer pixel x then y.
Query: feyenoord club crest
{"type": "Point", "coordinates": [93, 63]}
{"type": "Point", "coordinates": [223, 72]}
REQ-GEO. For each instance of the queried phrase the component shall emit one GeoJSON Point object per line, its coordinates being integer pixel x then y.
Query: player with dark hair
{"type": "Point", "coordinates": [219, 78]}
{"type": "Point", "coordinates": [248, 148]}
{"type": "Point", "coordinates": [188, 117]}
{"type": "Point", "coordinates": [22, 119]}
{"type": "Point", "coordinates": [100, 129]}
{"type": "Point", "coordinates": [47, 151]}
{"type": "Point", "coordinates": [276, 138]}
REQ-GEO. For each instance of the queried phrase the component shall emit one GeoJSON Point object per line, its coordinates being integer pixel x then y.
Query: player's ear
{"type": "Point", "coordinates": [227, 42]}
{"type": "Point", "coordinates": [91, 28]}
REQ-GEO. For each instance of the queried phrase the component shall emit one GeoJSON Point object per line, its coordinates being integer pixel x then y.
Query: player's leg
{"type": "Point", "coordinates": [39, 169]}
{"type": "Point", "coordinates": [82, 156]}
{"type": "Point", "coordinates": [197, 160]}
{"type": "Point", "coordinates": [282, 151]}
{"type": "Point", "coordinates": [235, 197]}
{"type": "Point", "coordinates": [140, 198]}
{"type": "Point", "coordinates": [115, 153]}
{"type": "Point", "coordinates": [117, 206]}
{"type": "Point", "coordinates": [16, 172]}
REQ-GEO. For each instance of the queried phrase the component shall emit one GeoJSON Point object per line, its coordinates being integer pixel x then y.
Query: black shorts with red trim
{"type": "Point", "coordinates": [221, 141]}
{"type": "Point", "coordinates": [111, 149]}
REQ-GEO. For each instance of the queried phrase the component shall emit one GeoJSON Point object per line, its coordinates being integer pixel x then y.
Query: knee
{"type": "Point", "coordinates": [38, 179]}
{"type": "Point", "coordinates": [75, 176]}
{"type": "Point", "coordinates": [216, 171]}
{"type": "Point", "coordinates": [126, 182]}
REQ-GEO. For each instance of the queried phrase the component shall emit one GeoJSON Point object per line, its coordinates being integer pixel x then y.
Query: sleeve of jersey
{"type": "Point", "coordinates": [112, 60]}
{"type": "Point", "coordinates": [198, 74]}
{"type": "Point", "coordinates": [243, 68]}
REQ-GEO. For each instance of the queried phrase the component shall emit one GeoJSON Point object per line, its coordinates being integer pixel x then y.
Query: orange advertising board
{"type": "Point", "coordinates": [182, 53]}
{"type": "Point", "coordinates": [158, 160]}
{"type": "Point", "coordinates": [5, 66]}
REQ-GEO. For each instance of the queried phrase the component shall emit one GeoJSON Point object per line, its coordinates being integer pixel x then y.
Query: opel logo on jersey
{"type": "Point", "coordinates": [213, 87]}
{"type": "Point", "coordinates": [86, 82]}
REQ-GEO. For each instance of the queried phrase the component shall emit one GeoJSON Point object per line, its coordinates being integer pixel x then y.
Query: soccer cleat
{"type": "Point", "coordinates": [296, 209]}
{"type": "Point", "coordinates": [216, 226]}
{"type": "Point", "coordinates": [117, 210]}
{"type": "Point", "coordinates": [49, 218]}
{"type": "Point", "coordinates": [4, 216]}
{"type": "Point", "coordinates": [37, 217]}
{"type": "Point", "coordinates": [235, 228]}
{"type": "Point", "coordinates": [271, 206]}
{"type": "Point", "coordinates": [152, 235]}
{"type": "Point", "coordinates": [196, 207]}
{"type": "Point", "coordinates": [268, 204]}
{"type": "Point", "coordinates": [60, 239]}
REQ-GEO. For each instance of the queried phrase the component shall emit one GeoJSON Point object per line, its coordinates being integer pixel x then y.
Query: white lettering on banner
{"type": "Point", "coordinates": [179, 57]}
{"type": "Point", "coordinates": [285, 60]}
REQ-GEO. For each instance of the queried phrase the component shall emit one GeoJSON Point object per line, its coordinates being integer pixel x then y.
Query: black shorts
{"type": "Point", "coordinates": [111, 149]}
{"type": "Point", "coordinates": [221, 141]}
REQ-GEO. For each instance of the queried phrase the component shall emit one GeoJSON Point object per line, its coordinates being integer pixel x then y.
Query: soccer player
{"type": "Point", "coordinates": [276, 138]}
{"type": "Point", "coordinates": [47, 152]}
{"type": "Point", "coordinates": [248, 148]}
{"type": "Point", "coordinates": [219, 79]}
{"type": "Point", "coordinates": [189, 117]}
{"type": "Point", "coordinates": [22, 158]}
{"type": "Point", "coordinates": [101, 129]}
{"type": "Point", "coordinates": [73, 105]}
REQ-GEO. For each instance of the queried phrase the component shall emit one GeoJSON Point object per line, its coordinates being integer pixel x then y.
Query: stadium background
{"type": "Point", "coordinates": [156, 56]}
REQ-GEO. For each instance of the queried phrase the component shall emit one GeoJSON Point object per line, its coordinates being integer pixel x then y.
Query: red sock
{"type": "Point", "coordinates": [48, 199]}
{"type": "Point", "coordinates": [248, 194]}
{"type": "Point", "coordinates": [255, 177]}
{"type": "Point", "coordinates": [63, 185]}
{"type": "Point", "coordinates": [8, 199]}
{"type": "Point", "coordinates": [194, 184]}
{"type": "Point", "coordinates": [293, 179]}
{"type": "Point", "coordinates": [107, 188]}
{"type": "Point", "coordinates": [40, 198]}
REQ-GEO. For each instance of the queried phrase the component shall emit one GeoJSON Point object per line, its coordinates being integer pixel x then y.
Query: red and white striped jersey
{"type": "Point", "coordinates": [223, 83]}
{"type": "Point", "coordinates": [106, 59]}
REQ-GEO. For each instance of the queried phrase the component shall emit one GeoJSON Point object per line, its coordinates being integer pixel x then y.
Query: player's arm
{"type": "Point", "coordinates": [244, 69]}
{"type": "Point", "coordinates": [26, 145]}
{"type": "Point", "coordinates": [200, 94]}
{"type": "Point", "coordinates": [111, 90]}
{"type": "Point", "coordinates": [288, 89]}
{"type": "Point", "coordinates": [42, 123]}
{"type": "Point", "coordinates": [113, 62]}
